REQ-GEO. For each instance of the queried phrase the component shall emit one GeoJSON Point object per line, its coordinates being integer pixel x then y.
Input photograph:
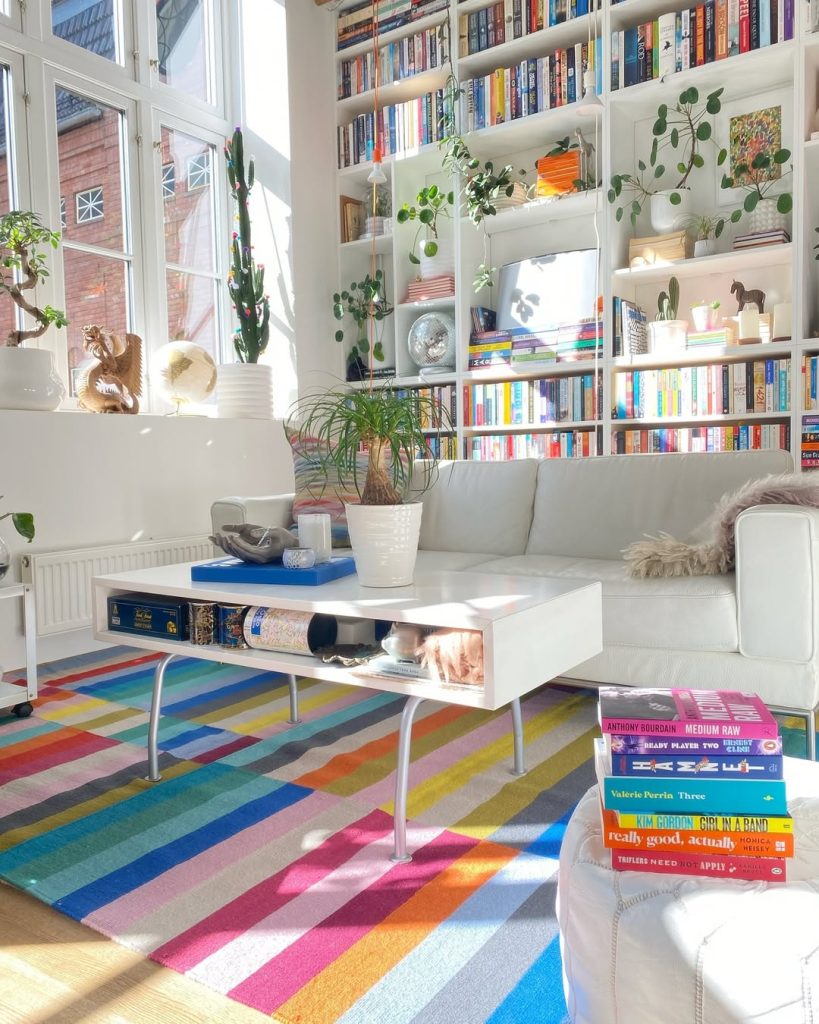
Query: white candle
{"type": "Point", "coordinates": [782, 321]}
{"type": "Point", "coordinates": [749, 323]}
{"type": "Point", "coordinates": [314, 532]}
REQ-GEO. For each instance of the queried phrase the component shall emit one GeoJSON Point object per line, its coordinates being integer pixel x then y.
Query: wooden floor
{"type": "Point", "coordinates": [56, 971]}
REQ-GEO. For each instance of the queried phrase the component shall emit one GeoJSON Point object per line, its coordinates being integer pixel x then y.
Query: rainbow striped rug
{"type": "Point", "coordinates": [260, 865]}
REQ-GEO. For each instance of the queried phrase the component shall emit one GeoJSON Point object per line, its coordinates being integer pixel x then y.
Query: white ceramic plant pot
{"type": "Point", "coordinates": [442, 263]}
{"type": "Point", "coordinates": [665, 216]}
{"type": "Point", "coordinates": [28, 379]}
{"type": "Point", "coordinates": [705, 246]}
{"type": "Point", "coordinates": [705, 318]}
{"type": "Point", "coordinates": [244, 390]}
{"type": "Point", "coordinates": [766, 217]}
{"type": "Point", "coordinates": [668, 335]}
{"type": "Point", "coordinates": [384, 539]}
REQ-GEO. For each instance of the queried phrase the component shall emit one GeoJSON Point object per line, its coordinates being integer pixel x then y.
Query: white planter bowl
{"type": "Point", "coordinates": [705, 318]}
{"type": "Point", "coordinates": [384, 539]}
{"type": "Point", "coordinates": [442, 263]}
{"type": "Point", "coordinates": [668, 335]}
{"type": "Point", "coordinates": [244, 390]}
{"type": "Point", "coordinates": [665, 216]}
{"type": "Point", "coordinates": [28, 379]}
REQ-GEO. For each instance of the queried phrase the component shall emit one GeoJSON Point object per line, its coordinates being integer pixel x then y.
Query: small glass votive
{"type": "Point", "coordinates": [314, 529]}
{"type": "Point", "coordinates": [298, 558]}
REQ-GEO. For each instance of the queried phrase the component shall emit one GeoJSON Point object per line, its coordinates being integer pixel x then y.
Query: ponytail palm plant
{"type": "Point", "coordinates": [332, 428]}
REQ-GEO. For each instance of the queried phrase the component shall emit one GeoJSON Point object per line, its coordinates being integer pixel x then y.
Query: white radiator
{"type": "Point", "coordinates": [62, 579]}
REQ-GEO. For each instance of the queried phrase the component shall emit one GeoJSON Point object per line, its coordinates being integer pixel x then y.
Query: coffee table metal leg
{"type": "Point", "coordinates": [294, 701]}
{"type": "Point", "coordinates": [153, 724]}
{"type": "Point", "coordinates": [517, 736]}
{"type": "Point", "coordinates": [402, 781]}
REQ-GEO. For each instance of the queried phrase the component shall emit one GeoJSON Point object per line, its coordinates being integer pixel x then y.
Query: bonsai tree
{"type": "Point", "coordinates": [683, 128]}
{"type": "Point", "coordinates": [432, 204]}
{"type": "Point", "coordinates": [246, 279]}
{"type": "Point", "coordinates": [330, 428]}
{"type": "Point", "coordinates": [757, 178]}
{"type": "Point", "coordinates": [23, 266]}
{"type": "Point", "coordinates": [364, 301]}
{"type": "Point", "coordinates": [23, 522]}
{"type": "Point", "coordinates": [668, 302]}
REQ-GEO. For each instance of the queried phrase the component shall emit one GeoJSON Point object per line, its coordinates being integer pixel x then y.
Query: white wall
{"type": "Point", "coordinates": [94, 479]}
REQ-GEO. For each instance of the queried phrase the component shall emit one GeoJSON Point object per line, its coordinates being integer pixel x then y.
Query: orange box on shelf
{"type": "Point", "coordinates": [557, 174]}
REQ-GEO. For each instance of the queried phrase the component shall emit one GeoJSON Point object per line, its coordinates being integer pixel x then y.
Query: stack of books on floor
{"type": "Point", "coordinates": [432, 288]}
{"type": "Point", "coordinates": [778, 236]}
{"type": "Point", "coordinates": [691, 783]}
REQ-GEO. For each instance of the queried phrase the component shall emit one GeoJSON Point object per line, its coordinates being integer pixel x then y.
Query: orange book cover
{"type": "Point", "coordinates": [556, 175]}
{"type": "Point", "coordinates": [722, 29]}
{"type": "Point", "coordinates": [700, 34]}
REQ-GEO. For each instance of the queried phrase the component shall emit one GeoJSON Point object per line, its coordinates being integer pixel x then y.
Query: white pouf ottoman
{"type": "Point", "coordinates": [642, 948]}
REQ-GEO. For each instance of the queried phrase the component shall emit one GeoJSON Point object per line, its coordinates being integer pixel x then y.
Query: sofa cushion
{"type": "Point", "coordinates": [316, 493]}
{"type": "Point", "coordinates": [596, 507]}
{"type": "Point", "coordinates": [688, 613]}
{"type": "Point", "coordinates": [480, 506]}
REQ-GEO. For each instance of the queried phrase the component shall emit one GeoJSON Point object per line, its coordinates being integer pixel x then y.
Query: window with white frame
{"type": "Point", "coordinates": [199, 171]}
{"type": "Point", "coordinates": [88, 124]}
{"type": "Point", "coordinates": [89, 205]}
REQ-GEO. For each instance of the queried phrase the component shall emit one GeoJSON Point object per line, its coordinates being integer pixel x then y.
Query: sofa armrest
{"type": "Point", "coordinates": [777, 564]}
{"type": "Point", "coordinates": [276, 510]}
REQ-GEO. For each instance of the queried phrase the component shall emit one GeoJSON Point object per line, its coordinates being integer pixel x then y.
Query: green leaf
{"type": "Point", "coordinates": [718, 227]}
{"type": "Point", "coordinates": [784, 203]}
{"type": "Point", "coordinates": [713, 105]}
{"type": "Point", "coordinates": [760, 160]}
{"type": "Point", "coordinates": [675, 199]}
{"type": "Point", "coordinates": [704, 131]}
{"type": "Point", "coordinates": [339, 335]}
{"type": "Point", "coordinates": [681, 167]}
{"type": "Point", "coordinates": [781, 156]}
{"type": "Point", "coordinates": [693, 94]}
{"type": "Point", "coordinates": [432, 191]}
{"type": "Point", "coordinates": [430, 247]}
{"type": "Point", "coordinates": [674, 137]}
{"type": "Point", "coordinates": [414, 259]}
{"type": "Point", "coordinates": [24, 524]}
{"type": "Point", "coordinates": [660, 126]}
{"type": "Point", "coordinates": [641, 165]}
{"type": "Point", "coordinates": [403, 215]}
{"type": "Point", "coordinates": [698, 160]}
{"type": "Point", "coordinates": [378, 352]}
{"type": "Point", "coordinates": [726, 182]}
{"type": "Point", "coordinates": [612, 195]}
{"type": "Point", "coordinates": [619, 214]}
{"type": "Point", "coordinates": [721, 157]}
{"type": "Point", "coordinates": [662, 111]}
{"type": "Point", "coordinates": [659, 170]}
{"type": "Point", "coordinates": [635, 207]}
{"type": "Point", "coordinates": [735, 216]}
{"type": "Point", "coordinates": [653, 157]}
{"type": "Point", "coordinates": [426, 216]}
{"type": "Point", "coordinates": [750, 202]}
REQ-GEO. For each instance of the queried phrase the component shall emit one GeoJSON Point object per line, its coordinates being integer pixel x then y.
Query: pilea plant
{"type": "Point", "coordinates": [433, 204]}
{"type": "Point", "coordinates": [757, 178]}
{"type": "Point", "coordinates": [683, 128]}
{"type": "Point", "coordinates": [364, 301]}
{"type": "Point", "coordinates": [668, 302]}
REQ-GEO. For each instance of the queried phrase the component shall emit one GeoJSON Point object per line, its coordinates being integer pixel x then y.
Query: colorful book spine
{"type": "Point", "coordinates": [677, 840]}
{"type": "Point", "coordinates": [685, 712]}
{"type": "Point", "coordinates": [625, 744]}
{"type": "Point", "coordinates": [766, 869]}
{"type": "Point", "coordinates": [739, 796]}
{"type": "Point", "coordinates": [703, 766]}
{"type": "Point", "coordinates": [765, 824]}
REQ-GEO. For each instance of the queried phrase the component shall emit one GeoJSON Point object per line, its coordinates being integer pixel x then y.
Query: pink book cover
{"type": "Point", "coordinates": [694, 713]}
{"type": "Point", "coordinates": [748, 869]}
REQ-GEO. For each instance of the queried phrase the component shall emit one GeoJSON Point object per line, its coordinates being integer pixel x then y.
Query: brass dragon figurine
{"type": "Point", "coordinates": [114, 383]}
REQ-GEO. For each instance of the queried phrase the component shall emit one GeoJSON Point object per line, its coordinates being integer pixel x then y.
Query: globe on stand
{"type": "Point", "coordinates": [431, 341]}
{"type": "Point", "coordinates": [183, 373]}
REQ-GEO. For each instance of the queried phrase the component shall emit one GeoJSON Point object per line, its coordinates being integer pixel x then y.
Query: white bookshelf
{"type": "Point", "coordinates": [787, 72]}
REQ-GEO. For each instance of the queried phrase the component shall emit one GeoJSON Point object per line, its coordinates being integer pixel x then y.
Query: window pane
{"type": "Point", "coordinates": [189, 201]}
{"type": "Point", "coordinates": [90, 151]}
{"type": "Point", "coordinates": [90, 24]}
{"type": "Point", "coordinates": [96, 289]}
{"type": "Point", "coordinates": [192, 310]}
{"type": "Point", "coordinates": [183, 46]}
{"type": "Point", "coordinates": [6, 169]}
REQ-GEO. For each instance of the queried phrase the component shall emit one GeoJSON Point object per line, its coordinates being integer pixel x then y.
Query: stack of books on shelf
{"type": "Point", "coordinates": [630, 329]}
{"type": "Point", "coordinates": [553, 444]}
{"type": "Point", "coordinates": [402, 126]}
{"type": "Point", "coordinates": [645, 252]}
{"type": "Point", "coordinates": [396, 61]}
{"type": "Point", "coordinates": [691, 783]}
{"type": "Point", "coordinates": [521, 348]}
{"type": "Point", "coordinates": [810, 442]}
{"type": "Point", "coordinates": [720, 336]}
{"type": "Point", "coordinates": [510, 19]}
{"type": "Point", "coordinates": [431, 288]}
{"type": "Point", "coordinates": [355, 24]}
{"type": "Point", "coordinates": [483, 319]}
{"type": "Point", "coordinates": [756, 239]}
{"type": "Point", "coordinates": [698, 35]}
{"type": "Point", "coordinates": [489, 348]}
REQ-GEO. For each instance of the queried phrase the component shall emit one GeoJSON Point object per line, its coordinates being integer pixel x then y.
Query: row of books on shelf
{"type": "Point", "coordinates": [810, 379]}
{"type": "Point", "coordinates": [535, 84]}
{"type": "Point", "coordinates": [442, 446]}
{"type": "Point", "coordinates": [698, 35]}
{"type": "Point", "coordinates": [401, 126]}
{"type": "Point", "coordinates": [440, 396]}
{"type": "Point", "coordinates": [355, 24]}
{"type": "Point", "coordinates": [396, 61]}
{"type": "Point", "coordinates": [664, 753]}
{"type": "Point", "coordinates": [520, 402]}
{"type": "Point", "coordinates": [809, 442]}
{"type": "Point", "coordinates": [761, 385]}
{"type": "Point", "coordinates": [512, 19]}
{"type": "Point", "coordinates": [519, 347]}
{"type": "Point", "coordinates": [729, 437]}
{"type": "Point", "coordinates": [557, 444]}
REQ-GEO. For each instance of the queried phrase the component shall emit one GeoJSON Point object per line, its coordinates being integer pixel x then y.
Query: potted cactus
{"type": "Point", "coordinates": [245, 388]}
{"type": "Point", "coordinates": [668, 334]}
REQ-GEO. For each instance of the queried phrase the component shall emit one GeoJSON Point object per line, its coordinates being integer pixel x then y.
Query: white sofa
{"type": "Point", "coordinates": [756, 629]}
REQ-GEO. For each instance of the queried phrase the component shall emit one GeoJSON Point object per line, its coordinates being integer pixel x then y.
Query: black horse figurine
{"type": "Point", "coordinates": [744, 296]}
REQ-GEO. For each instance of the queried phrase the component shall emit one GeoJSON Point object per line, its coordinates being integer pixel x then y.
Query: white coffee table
{"type": "Point", "coordinates": [534, 629]}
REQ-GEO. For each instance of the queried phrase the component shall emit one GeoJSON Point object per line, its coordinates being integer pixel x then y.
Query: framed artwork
{"type": "Point", "coordinates": [759, 123]}
{"type": "Point", "coordinates": [352, 218]}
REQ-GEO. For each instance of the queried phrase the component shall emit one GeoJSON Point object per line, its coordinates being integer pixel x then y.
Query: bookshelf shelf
{"type": "Point", "coordinates": [411, 381]}
{"type": "Point", "coordinates": [784, 73]}
{"type": "Point", "coordinates": [705, 266]}
{"type": "Point", "coordinates": [380, 244]}
{"type": "Point", "coordinates": [428, 21]}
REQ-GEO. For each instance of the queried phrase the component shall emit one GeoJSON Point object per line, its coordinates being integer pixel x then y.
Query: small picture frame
{"type": "Point", "coordinates": [352, 219]}
{"type": "Point", "coordinates": [763, 121]}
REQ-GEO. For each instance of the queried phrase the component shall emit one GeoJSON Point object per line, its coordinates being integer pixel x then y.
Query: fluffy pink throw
{"type": "Point", "coordinates": [665, 556]}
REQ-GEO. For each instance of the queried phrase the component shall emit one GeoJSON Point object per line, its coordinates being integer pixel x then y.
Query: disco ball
{"type": "Point", "coordinates": [431, 340]}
